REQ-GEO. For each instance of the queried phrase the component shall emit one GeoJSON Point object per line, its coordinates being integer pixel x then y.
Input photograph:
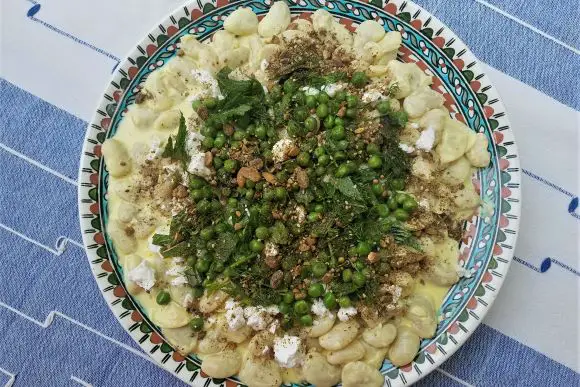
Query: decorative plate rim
{"type": "Point", "coordinates": [413, 19]}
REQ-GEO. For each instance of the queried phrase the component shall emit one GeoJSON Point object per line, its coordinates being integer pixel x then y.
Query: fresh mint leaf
{"type": "Point", "coordinates": [176, 150]}
{"type": "Point", "coordinates": [162, 240]}
{"type": "Point", "coordinates": [346, 187]}
{"type": "Point", "coordinates": [279, 234]}
{"type": "Point", "coordinates": [224, 247]}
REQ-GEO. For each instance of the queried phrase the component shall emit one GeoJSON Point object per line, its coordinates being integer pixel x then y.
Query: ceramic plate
{"type": "Point", "coordinates": [487, 245]}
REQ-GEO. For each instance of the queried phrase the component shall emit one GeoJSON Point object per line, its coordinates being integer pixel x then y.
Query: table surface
{"type": "Point", "coordinates": [55, 59]}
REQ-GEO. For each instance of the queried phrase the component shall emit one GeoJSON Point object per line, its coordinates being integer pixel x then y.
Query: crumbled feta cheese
{"type": "Point", "coordinates": [274, 327]}
{"type": "Point", "coordinates": [270, 249]}
{"type": "Point", "coordinates": [424, 203]}
{"type": "Point", "coordinates": [143, 275]}
{"type": "Point", "coordinates": [155, 150]}
{"type": "Point", "coordinates": [300, 214]}
{"type": "Point", "coordinates": [462, 272]}
{"type": "Point", "coordinates": [333, 88]}
{"type": "Point", "coordinates": [159, 230]}
{"type": "Point", "coordinates": [188, 300]}
{"type": "Point", "coordinates": [414, 125]}
{"type": "Point", "coordinates": [258, 318]}
{"type": "Point", "coordinates": [287, 351]}
{"type": "Point", "coordinates": [372, 96]}
{"type": "Point", "coordinates": [177, 270]}
{"type": "Point", "coordinates": [310, 90]}
{"type": "Point", "coordinates": [264, 64]}
{"type": "Point", "coordinates": [234, 315]}
{"type": "Point", "coordinates": [344, 314]}
{"type": "Point", "coordinates": [179, 281]}
{"type": "Point", "coordinates": [426, 140]}
{"type": "Point", "coordinates": [211, 87]}
{"type": "Point", "coordinates": [395, 291]}
{"type": "Point", "coordinates": [318, 308]}
{"type": "Point", "coordinates": [406, 148]}
{"type": "Point", "coordinates": [197, 165]}
{"type": "Point", "coordinates": [281, 148]}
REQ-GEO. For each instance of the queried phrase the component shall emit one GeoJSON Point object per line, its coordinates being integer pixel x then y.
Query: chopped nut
{"type": "Point", "coordinates": [272, 261]}
{"type": "Point", "coordinates": [256, 163]}
{"type": "Point", "coordinates": [180, 192]}
{"type": "Point", "coordinates": [341, 112]}
{"type": "Point", "coordinates": [276, 279]}
{"type": "Point", "coordinates": [293, 151]}
{"type": "Point", "coordinates": [301, 178]}
{"type": "Point", "coordinates": [208, 158]}
{"type": "Point", "coordinates": [359, 130]}
{"type": "Point", "coordinates": [180, 52]}
{"type": "Point", "coordinates": [270, 178]}
{"type": "Point", "coordinates": [129, 230]}
{"type": "Point", "coordinates": [372, 257]}
{"type": "Point", "coordinates": [228, 129]}
{"type": "Point", "coordinates": [237, 226]}
{"type": "Point", "coordinates": [238, 214]}
{"type": "Point", "coordinates": [247, 173]}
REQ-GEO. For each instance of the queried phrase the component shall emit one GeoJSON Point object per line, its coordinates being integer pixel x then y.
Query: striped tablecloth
{"type": "Point", "coordinates": [55, 58]}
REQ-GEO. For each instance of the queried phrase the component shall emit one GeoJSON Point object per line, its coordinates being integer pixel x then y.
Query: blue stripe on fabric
{"type": "Point", "coordinates": [40, 130]}
{"type": "Point", "coordinates": [512, 48]}
{"type": "Point", "coordinates": [36, 283]}
{"type": "Point", "coordinates": [49, 356]}
{"type": "Point", "coordinates": [558, 19]}
{"type": "Point", "coordinates": [35, 203]}
{"type": "Point", "coordinates": [490, 358]}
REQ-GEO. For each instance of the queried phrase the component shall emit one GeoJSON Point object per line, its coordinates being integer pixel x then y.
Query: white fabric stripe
{"type": "Point", "coordinates": [460, 381]}
{"type": "Point", "coordinates": [529, 26]}
{"type": "Point", "coordinates": [11, 377]}
{"type": "Point", "coordinates": [80, 381]}
{"type": "Point", "coordinates": [60, 244]}
{"type": "Point", "coordinates": [50, 318]}
{"type": "Point", "coordinates": [37, 164]}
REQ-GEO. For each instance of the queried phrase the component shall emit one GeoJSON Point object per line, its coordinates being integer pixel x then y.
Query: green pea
{"type": "Point", "coordinates": [280, 193]}
{"type": "Point", "coordinates": [363, 248]}
{"type": "Point", "coordinates": [202, 265]}
{"type": "Point", "coordinates": [373, 149]}
{"type": "Point", "coordinates": [196, 104]}
{"type": "Point", "coordinates": [392, 203]}
{"type": "Point", "coordinates": [387, 223]}
{"type": "Point", "coordinates": [300, 98]}
{"type": "Point", "coordinates": [359, 265]}
{"type": "Point", "coordinates": [329, 122]}
{"type": "Point", "coordinates": [239, 135]}
{"type": "Point", "coordinates": [319, 269]}
{"type": "Point", "coordinates": [290, 86]}
{"type": "Point", "coordinates": [249, 184]}
{"type": "Point", "coordinates": [399, 118]}
{"type": "Point", "coordinates": [221, 227]}
{"type": "Point", "coordinates": [196, 182]}
{"type": "Point", "coordinates": [196, 324]}
{"type": "Point", "coordinates": [342, 145]}
{"type": "Point", "coordinates": [377, 189]}
{"type": "Point", "coordinates": [318, 208]}
{"type": "Point", "coordinates": [324, 160]}
{"type": "Point", "coordinates": [269, 195]}
{"type": "Point", "coordinates": [219, 142]}
{"type": "Point", "coordinates": [311, 123]}
{"type": "Point", "coordinates": [210, 102]}
{"type": "Point", "coordinates": [203, 206]}
{"type": "Point", "coordinates": [410, 204]}
{"type": "Point", "coordinates": [256, 246]}
{"type": "Point", "coordinates": [338, 133]}
{"type": "Point", "coordinates": [208, 131]}
{"type": "Point", "coordinates": [303, 159]}
{"type": "Point", "coordinates": [311, 101]}
{"type": "Point", "coordinates": [262, 232]}
{"type": "Point", "coordinates": [300, 114]}
{"type": "Point", "coordinates": [352, 101]}
{"type": "Point", "coordinates": [359, 279]}
{"type": "Point", "coordinates": [301, 307]}
{"type": "Point", "coordinates": [232, 202]}
{"type": "Point", "coordinates": [313, 217]}
{"type": "Point", "coordinates": [383, 107]}
{"type": "Point", "coordinates": [322, 97]}
{"type": "Point", "coordinates": [217, 162]}
{"type": "Point", "coordinates": [339, 156]}
{"type": "Point", "coordinates": [288, 298]}
{"type": "Point", "coordinates": [196, 194]}
{"type": "Point", "coordinates": [401, 214]}
{"type": "Point", "coordinates": [320, 171]}
{"type": "Point", "coordinates": [207, 233]}
{"type": "Point", "coordinates": [351, 112]}
{"type": "Point", "coordinates": [375, 162]}
{"type": "Point", "coordinates": [322, 110]}
{"type": "Point", "coordinates": [315, 290]}
{"type": "Point", "coordinates": [306, 320]}
{"type": "Point", "coordinates": [260, 132]}
{"type": "Point", "coordinates": [359, 79]}
{"type": "Point", "coordinates": [398, 184]}
{"type": "Point", "coordinates": [329, 300]}
{"type": "Point", "coordinates": [344, 302]}
{"type": "Point", "coordinates": [343, 170]}
{"type": "Point", "coordinates": [319, 151]}
{"type": "Point", "coordinates": [163, 297]}
{"type": "Point", "coordinates": [284, 308]}
{"type": "Point", "coordinates": [191, 261]}
{"type": "Point", "coordinates": [382, 210]}
{"type": "Point", "coordinates": [340, 96]}
{"type": "Point", "coordinates": [347, 275]}
{"type": "Point", "coordinates": [250, 194]}
{"type": "Point", "coordinates": [230, 165]}
{"type": "Point", "coordinates": [271, 132]}
{"type": "Point", "coordinates": [400, 198]}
